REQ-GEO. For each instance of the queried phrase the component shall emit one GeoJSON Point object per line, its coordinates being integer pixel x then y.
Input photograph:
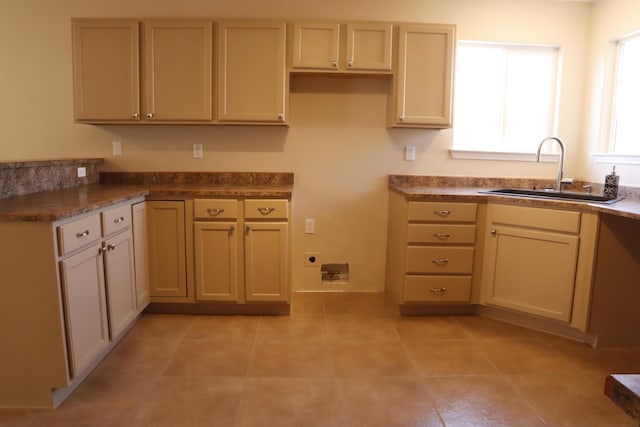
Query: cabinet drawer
{"type": "Point", "coordinates": [78, 233]}
{"type": "Point", "coordinates": [442, 212]}
{"type": "Point", "coordinates": [215, 209]}
{"type": "Point", "coordinates": [548, 219]}
{"type": "Point", "coordinates": [439, 260]}
{"type": "Point", "coordinates": [442, 233]}
{"type": "Point", "coordinates": [437, 289]}
{"type": "Point", "coordinates": [266, 209]}
{"type": "Point", "coordinates": [116, 219]}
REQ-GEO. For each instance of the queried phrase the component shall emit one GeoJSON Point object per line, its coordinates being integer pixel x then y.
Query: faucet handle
{"type": "Point", "coordinates": [568, 181]}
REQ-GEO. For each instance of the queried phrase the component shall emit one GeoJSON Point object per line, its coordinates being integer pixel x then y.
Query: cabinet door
{"type": "Point", "coordinates": [369, 46]}
{"type": "Point", "coordinates": [532, 271]}
{"type": "Point", "coordinates": [106, 70]}
{"type": "Point", "coordinates": [266, 261]}
{"type": "Point", "coordinates": [251, 75]}
{"type": "Point", "coordinates": [141, 254]}
{"type": "Point", "coordinates": [167, 244]}
{"type": "Point", "coordinates": [315, 45]}
{"type": "Point", "coordinates": [423, 83]}
{"type": "Point", "coordinates": [178, 71]}
{"type": "Point", "coordinates": [85, 307]}
{"type": "Point", "coordinates": [216, 261]}
{"type": "Point", "coordinates": [120, 282]}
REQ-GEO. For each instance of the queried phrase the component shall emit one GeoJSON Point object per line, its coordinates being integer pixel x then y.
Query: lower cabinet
{"type": "Point", "coordinates": [216, 261]}
{"type": "Point", "coordinates": [265, 258]}
{"type": "Point", "coordinates": [538, 261]}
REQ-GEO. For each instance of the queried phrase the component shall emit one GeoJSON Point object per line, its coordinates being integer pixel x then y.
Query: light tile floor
{"type": "Point", "coordinates": [342, 360]}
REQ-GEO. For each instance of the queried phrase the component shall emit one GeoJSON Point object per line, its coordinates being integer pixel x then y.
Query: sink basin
{"type": "Point", "coordinates": [552, 194]}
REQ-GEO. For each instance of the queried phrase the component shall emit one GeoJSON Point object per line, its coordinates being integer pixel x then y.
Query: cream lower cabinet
{"type": "Point", "coordinates": [539, 261]}
{"type": "Point", "coordinates": [431, 251]}
{"type": "Point", "coordinates": [167, 250]}
{"type": "Point", "coordinates": [141, 253]}
{"type": "Point", "coordinates": [423, 82]}
{"type": "Point", "coordinates": [241, 250]}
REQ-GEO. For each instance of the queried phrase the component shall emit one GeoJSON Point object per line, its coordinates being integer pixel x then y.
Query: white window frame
{"type": "Point", "coordinates": [515, 155]}
{"type": "Point", "coordinates": [608, 155]}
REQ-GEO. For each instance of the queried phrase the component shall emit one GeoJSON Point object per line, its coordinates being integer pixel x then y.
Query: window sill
{"type": "Point", "coordinates": [501, 155]}
{"type": "Point", "coordinates": [613, 158]}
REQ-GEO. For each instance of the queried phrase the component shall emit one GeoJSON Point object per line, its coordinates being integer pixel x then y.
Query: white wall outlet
{"type": "Point", "coordinates": [197, 151]}
{"type": "Point", "coordinates": [311, 259]}
{"type": "Point", "coordinates": [117, 148]}
{"type": "Point", "coordinates": [410, 152]}
{"type": "Point", "coordinates": [82, 172]}
{"type": "Point", "coordinates": [309, 226]}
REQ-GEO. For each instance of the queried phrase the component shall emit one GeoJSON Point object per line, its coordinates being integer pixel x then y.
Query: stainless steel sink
{"type": "Point", "coordinates": [552, 194]}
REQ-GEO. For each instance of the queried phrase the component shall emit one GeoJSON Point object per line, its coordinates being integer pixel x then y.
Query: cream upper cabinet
{"type": "Point", "coordinates": [252, 78]}
{"type": "Point", "coordinates": [106, 69]}
{"type": "Point", "coordinates": [422, 87]}
{"type": "Point", "coordinates": [174, 70]}
{"type": "Point", "coordinates": [178, 70]}
{"type": "Point", "coordinates": [357, 47]}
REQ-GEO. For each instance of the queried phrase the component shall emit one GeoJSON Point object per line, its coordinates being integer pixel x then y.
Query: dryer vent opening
{"type": "Point", "coordinates": [335, 273]}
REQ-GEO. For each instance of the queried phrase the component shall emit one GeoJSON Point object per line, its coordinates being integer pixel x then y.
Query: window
{"type": "Point", "coordinates": [625, 123]}
{"type": "Point", "coordinates": [505, 96]}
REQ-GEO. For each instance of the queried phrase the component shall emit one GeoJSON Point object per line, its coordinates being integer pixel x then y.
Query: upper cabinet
{"type": "Point", "coordinates": [355, 47]}
{"type": "Point", "coordinates": [176, 72]}
{"type": "Point", "coordinates": [252, 78]}
{"type": "Point", "coordinates": [423, 85]}
{"type": "Point", "coordinates": [106, 70]}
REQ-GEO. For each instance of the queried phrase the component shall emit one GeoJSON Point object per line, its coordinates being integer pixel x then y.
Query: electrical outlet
{"type": "Point", "coordinates": [309, 226]}
{"type": "Point", "coordinates": [82, 172]}
{"type": "Point", "coordinates": [117, 148]}
{"type": "Point", "coordinates": [410, 152]}
{"type": "Point", "coordinates": [197, 151]}
{"type": "Point", "coordinates": [311, 259]}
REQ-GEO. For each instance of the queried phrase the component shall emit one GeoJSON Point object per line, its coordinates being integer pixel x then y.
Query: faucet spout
{"type": "Point", "coordinates": [560, 163]}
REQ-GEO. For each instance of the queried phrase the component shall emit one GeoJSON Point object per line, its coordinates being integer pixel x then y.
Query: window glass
{"type": "Point", "coordinates": [625, 133]}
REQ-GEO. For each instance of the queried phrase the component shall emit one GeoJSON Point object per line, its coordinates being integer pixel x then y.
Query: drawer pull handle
{"type": "Point", "coordinates": [442, 236]}
{"type": "Point", "coordinates": [118, 220]}
{"type": "Point", "coordinates": [438, 291]}
{"type": "Point", "coordinates": [215, 212]}
{"type": "Point", "coordinates": [440, 262]}
{"type": "Point", "coordinates": [266, 211]}
{"type": "Point", "coordinates": [85, 233]}
{"type": "Point", "coordinates": [442, 213]}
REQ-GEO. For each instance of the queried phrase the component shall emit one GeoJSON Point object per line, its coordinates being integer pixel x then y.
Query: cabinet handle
{"type": "Point", "coordinates": [102, 249]}
{"type": "Point", "coordinates": [266, 211]}
{"type": "Point", "coordinates": [247, 229]}
{"type": "Point", "coordinates": [334, 64]}
{"type": "Point", "coordinates": [442, 236]}
{"type": "Point", "coordinates": [231, 230]}
{"type": "Point", "coordinates": [281, 117]}
{"type": "Point", "coordinates": [440, 262]}
{"type": "Point", "coordinates": [111, 247]}
{"type": "Point", "coordinates": [350, 63]}
{"type": "Point", "coordinates": [85, 233]}
{"type": "Point", "coordinates": [149, 115]}
{"type": "Point", "coordinates": [438, 291]}
{"type": "Point", "coordinates": [135, 115]}
{"type": "Point", "coordinates": [118, 220]}
{"type": "Point", "coordinates": [493, 231]}
{"type": "Point", "coordinates": [215, 212]}
{"type": "Point", "coordinates": [442, 213]}
{"type": "Point", "coordinates": [401, 119]}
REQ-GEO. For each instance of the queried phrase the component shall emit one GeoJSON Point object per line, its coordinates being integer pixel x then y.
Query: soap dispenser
{"type": "Point", "coordinates": [611, 184]}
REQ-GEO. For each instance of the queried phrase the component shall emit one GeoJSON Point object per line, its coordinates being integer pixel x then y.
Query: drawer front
{"type": "Point", "coordinates": [215, 209]}
{"type": "Point", "coordinates": [442, 212]}
{"type": "Point", "coordinates": [266, 209]}
{"type": "Point", "coordinates": [78, 233]}
{"type": "Point", "coordinates": [548, 219]}
{"type": "Point", "coordinates": [116, 219]}
{"type": "Point", "coordinates": [437, 289]}
{"type": "Point", "coordinates": [439, 260]}
{"type": "Point", "coordinates": [442, 233]}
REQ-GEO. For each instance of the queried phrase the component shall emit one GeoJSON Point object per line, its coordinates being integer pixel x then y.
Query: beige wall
{"type": "Point", "coordinates": [611, 19]}
{"type": "Point", "coordinates": [337, 144]}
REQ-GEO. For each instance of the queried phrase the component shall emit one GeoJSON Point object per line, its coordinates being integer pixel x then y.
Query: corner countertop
{"type": "Point", "coordinates": [417, 188]}
{"type": "Point", "coordinates": [116, 188]}
{"type": "Point", "coordinates": [624, 391]}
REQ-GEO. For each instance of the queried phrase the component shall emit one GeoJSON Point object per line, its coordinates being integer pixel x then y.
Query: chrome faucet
{"type": "Point", "coordinates": [559, 180]}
